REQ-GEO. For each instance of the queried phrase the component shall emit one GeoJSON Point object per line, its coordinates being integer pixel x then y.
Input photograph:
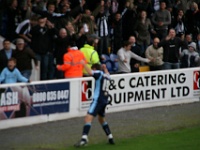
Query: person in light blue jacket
{"type": "Point", "coordinates": [11, 74]}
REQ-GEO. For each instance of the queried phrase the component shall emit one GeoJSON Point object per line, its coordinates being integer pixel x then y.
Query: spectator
{"type": "Point", "coordinates": [24, 28]}
{"type": "Point", "coordinates": [155, 54]}
{"type": "Point", "coordinates": [71, 14]}
{"type": "Point", "coordinates": [50, 13]}
{"type": "Point", "coordinates": [70, 29]}
{"type": "Point", "coordinates": [102, 31]}
{"type": "Point", "coordinates": [42, 44]}
{"type": "Point", "coordinates": [57, 18]}
{"type": "Point", "coordinates": [81, 37]}
{"type": "Point", "coordinates": [136, 49]}
{"type": "Point", "coordinates": [179, 24]}
{"type": "Point", "coordinates": [125, 56]}
{"type": "Point", "coordinates": [72, 65]}
{"type": "Point", "coordinates": [188, 39]}
{"type": "Point", "coordinates": [129, 17]}
{"type": "Point", "coordinates": [142, 27]}
{"type": "Point", "coordinates": [89, 52]}
{"type": "Point", "coordinates": [193, 20]}
{"type": "Point", "coordinates": [117, 33]}
{"type": "Point", "coordinates": [189, 57]}
{"type": "Point", "coordinates": [161, 19]}
{"type": "Point", "coordinates": [14, 17]}
{"type": "Point", "coordinates": [65, 8]}
{"type": "Point", "coordinates": [171, 46]}
{"type": "Point", "coordinates": [61, 45]}
{"type": "Point", "coordinates": [5, 54]}
{"type": "Point", "coordinates": [155, 4]}
{"type": "Point", "coordinates": [87, 19]}
{"type": "Point", "coordinates": [168, 2]}
{"type": "Point", "coordinates": [24, 57]}
{"type": "Point", "coordinates": [11, 74]}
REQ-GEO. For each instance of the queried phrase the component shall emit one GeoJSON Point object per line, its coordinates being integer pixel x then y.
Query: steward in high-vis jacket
{"type": "Point", "coordinates": [72, 66]}
{"type": "Point", "coordinates": [91, 55]}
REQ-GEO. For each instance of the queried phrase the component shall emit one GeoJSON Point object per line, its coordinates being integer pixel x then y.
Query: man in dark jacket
{"type": "Point", "coordinates": [42, 44]}
{"type": "Point", "coordinates": [5, 54]}
{"type": "Point", "coordinates": [61, 45]}
{"type": "Point", "coordinates": [171, 46]}
{"type": "Point", "coordinates": [24, 56]}
{"type": "Point", "coordinates": [135, 48]}
{"type": "Point", "coordinates": [117, 33]}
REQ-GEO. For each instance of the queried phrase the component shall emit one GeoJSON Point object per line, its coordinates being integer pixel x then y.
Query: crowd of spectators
{"type": "Point", "coordinates": [158, 32]}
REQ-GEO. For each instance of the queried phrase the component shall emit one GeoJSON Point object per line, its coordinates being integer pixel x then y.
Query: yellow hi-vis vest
{"type": "Point", "coordinates": [91, 56]}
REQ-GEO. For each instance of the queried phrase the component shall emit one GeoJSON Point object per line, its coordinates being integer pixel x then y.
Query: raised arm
{"type": "Point", "coordinates": [105, 70]}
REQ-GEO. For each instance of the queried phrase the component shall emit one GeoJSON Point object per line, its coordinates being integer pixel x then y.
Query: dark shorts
{"type": "Point", "coordinates": [97, 109]}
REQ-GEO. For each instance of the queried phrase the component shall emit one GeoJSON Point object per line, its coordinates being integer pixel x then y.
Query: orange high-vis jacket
{"type": "Point", "coordinates": [72, 66]}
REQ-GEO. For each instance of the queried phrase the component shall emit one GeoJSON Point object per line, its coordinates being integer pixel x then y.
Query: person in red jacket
{"type": "Point", "coordinates": [72, 66]}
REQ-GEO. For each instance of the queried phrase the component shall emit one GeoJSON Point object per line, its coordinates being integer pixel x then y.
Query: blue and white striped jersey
{"type": "Point", "coordinates": [101, 86]}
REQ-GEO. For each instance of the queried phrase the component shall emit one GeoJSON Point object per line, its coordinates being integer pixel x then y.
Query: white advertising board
{"type": "Point", "coordinates": [137, 88]}
{"type": "Point", "coordinates": [140, 88]}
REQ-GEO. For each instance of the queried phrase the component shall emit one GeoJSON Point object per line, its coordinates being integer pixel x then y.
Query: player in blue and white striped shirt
{"type": "Point", "coordinates": [99, 103]}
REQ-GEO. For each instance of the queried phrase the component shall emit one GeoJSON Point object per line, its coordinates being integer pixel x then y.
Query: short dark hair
{"type": "Point", "coordinates": [72, 41]}
{"type": "Point", "coordinates": [126, 43]}
{"type": "Point", "coordinates": [51, 3]}
{"type": "Point", "coordinates": [34, 18]}
{"type": "Point", "coordinates": [96, 66]}
{"type": "Point", "coordinates": [90, 41]}
{"type": "Point", "coordinates": [12, 59]}
{"type": "Point", "coordinates": [6, 40]}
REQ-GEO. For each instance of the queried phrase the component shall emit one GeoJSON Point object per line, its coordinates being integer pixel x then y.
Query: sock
{"type": "Point", "coordinates": [84, 138]}
{"type": "Point", "coordinates": [107, 130]}
{"type": "Point", "coordinates": [86, 129]}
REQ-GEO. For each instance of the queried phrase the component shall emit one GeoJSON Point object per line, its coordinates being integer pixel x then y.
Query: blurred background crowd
{"type": "Point", "coordinates": [162, 34]}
